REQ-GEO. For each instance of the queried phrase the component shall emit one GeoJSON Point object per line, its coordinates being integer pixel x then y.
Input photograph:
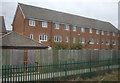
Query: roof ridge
{"type": "Point", "coordinates": [6, 34]}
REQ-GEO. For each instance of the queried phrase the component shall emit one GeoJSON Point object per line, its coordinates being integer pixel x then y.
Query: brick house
{"type": "Point", "coordinates": [2, 26]}
{"type": "Point", "coordinates": [48, 26]}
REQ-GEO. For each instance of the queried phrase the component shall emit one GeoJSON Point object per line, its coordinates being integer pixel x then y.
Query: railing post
{"type": "Point", "coordinates": [108, 65]}
{"type": "Point", "coordinates": [65, 70]}
{"type": "Point", "coordinates": [90, 64]}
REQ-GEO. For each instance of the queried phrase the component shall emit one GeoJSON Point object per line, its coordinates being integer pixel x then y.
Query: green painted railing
{"type": "Point", "coordinates": [54, 71]}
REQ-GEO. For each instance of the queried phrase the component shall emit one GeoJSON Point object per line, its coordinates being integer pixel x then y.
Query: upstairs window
{"type": "Point", "coordinates": [108, 33]}
{"type": "Point", "coordinates": [107, 42]}
{"type": "Point", "coordinates": [57, 26]}
{"type": "Point", "coordinates": [91, 41]}
{"type": "Point", "coordinates": [82, 30]}
{"type": "Point", "coordinates": [31, 36]}
{"type": "Point", "coordinates": [102, 32]}
{"type": "Point", "coordinates": [57, 39]}
{"type": "Point", "coordinates": [44, 24]}
{"type": "Point", "coordinates": [74, 28]}
{"type": "Point", "coordinates": [90, 30]}
{"type": "Point", "coordinates": [43, 37]}
{"type": "Point", "coordinates": [114, 42]}
{"type": "Point", "coordinates": [67, 39]}
{"type": "Point", "coordinates": [74, 39]}
{"type": "Point", "coordinates": [66, 27]}
{"type": "Point", "coordinates": [31, 22]}
{"type": "Point", "coordinates": [97, 31]}
{"type": "Point", "coordinates": [118, 34]}
{"type": "Point", "coordinates": [113, 33]}
{"type": "Point", "coordinates": [82, 40]}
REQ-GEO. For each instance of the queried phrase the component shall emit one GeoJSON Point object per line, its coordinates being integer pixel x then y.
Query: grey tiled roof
{"type": "Point", "coordinates": [55, 16]}
{"type": "Point", "coordinates": [2, 25]}
{"type": "Point", "coordinates": [16, 40]}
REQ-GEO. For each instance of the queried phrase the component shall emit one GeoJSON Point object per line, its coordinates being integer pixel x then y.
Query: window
{"type": "Point", "coordinates": [67, 39]}
{"type": "Point", "coordinates": [43, 37]}
{"type": "Point", "coordinates": [108, 33]}
{"type": "Point", "coordinates": [90, 30]}
{"type": "Point", "coordinates": [57, 26]}
{"type": "Point", "coordinates": [114, 42]}
{"type": "Point", "coordinates": [82, 30]}
{"type": "Point", "coordinates": [31, 22]}
{"type": "Point", "coordinates": [107, 42]}
{"type": "Point", "coordinates": [102, 41]}
{"type": "Point", "coordinates": [74, 40]}
{"type": "Point", "coordinates": [82, 40]}
{"type": "Point", "coordinates": [113, 33]}
{"type": "Point", "coordinates": [44, 24]}
{"type": "Point", "coordinates": [97, 31]}
{"type": "Point", "coordinates": [66, 27]}
{"type": "Point", "coordinates": [74, 28]}
{"type": "Point", "coordinates": [57, 39]}
{"type": "Point", "coordinates": [118, 34]}
{"type": "Point", "coordinates": [91, 41]}
{"type": "Point", "coordinates": [102, 32]}
{"type": "Point", "coordinates": [31, 36]}
{"type": "Point", "coordinates": [97, 41]}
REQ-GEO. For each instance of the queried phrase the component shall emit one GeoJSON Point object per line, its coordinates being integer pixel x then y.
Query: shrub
{"type": "Point", "coordinates": [76, 46]}
{"type": "Point", "coordinates": [61, 45]}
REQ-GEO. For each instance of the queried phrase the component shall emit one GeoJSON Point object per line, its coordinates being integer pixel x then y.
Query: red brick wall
{"type": "Point", "coordinates": [18, 23]}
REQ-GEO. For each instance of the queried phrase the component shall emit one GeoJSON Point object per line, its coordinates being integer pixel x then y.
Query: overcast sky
{"type": "Point", "coordinates": [105, 10]}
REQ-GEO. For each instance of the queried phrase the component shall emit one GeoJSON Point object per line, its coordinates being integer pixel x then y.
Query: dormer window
{"type": "Point", "coordinates": [74, 28]}
{"type": "Point", "coordinates": [82, 29]}
{"type": "Point", "coordinates": [113, 33]}
{"type": "Point", "coordinates": [97, 31]}
{"type": "Point", "coordinates": [90, 30]}
{"type": "Point", "coordinates": [102, 32]}
{"type": "Point", "coordinates": [32, 22]}
{"type": "Point", "coordinates": [44, 24]}
{"type": "Point", "coordinates": [57, 26]}
{"type": "Point", "coordinates": [66, 27]}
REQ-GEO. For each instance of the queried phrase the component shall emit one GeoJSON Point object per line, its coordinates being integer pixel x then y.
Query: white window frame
{"type": "Point", "coordinates": [74, 39]}
{"type": "Point", "coordinates": [90, 30]}
{"type": "Point", "coordinates": [102, 32]}
{"type": "Point", "coordinates": [31, 22]}
{"type": "Point", "coordinates": [57, 26]}
{"type": "Point", "coordinates": [113, 33]}
{"type": "Point", "coordinates": [57, 39]}
{"type": "Point", "coordinates": [91, 42]}
{"type": "Point", "coordinates": [74, 28]}
{"type": "Point", "coordinates": [118, 34]}
{"type": "Point", "coordinates": [97, 31]}
{"type": "Point", "coordinates": [102, 41]}
{"type": "Point", "coordinates": [42, 37]}
{"type": "Point", "coordinates": [82, 29]}
{"type": "Point", "coordinates": [67, 39]}
{"type": "Point", "coordinates": [107, 42]}
{"type": "Point", "coordinates": [31, 36]}
{"type": "Point", "coordinates": [66, 27]}
{"type": "Point", "coordinates": [44, 24]}
{"type": "Point", "coordinates": [97, 41]}
{"type": "Point", "coordinates": [114, 42]}
{"type": "Point", "coordinates": [82, 40]}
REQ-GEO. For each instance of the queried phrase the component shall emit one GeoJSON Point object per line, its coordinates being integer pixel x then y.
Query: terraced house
{"type": "Point", "coordinates": [48, 26]}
